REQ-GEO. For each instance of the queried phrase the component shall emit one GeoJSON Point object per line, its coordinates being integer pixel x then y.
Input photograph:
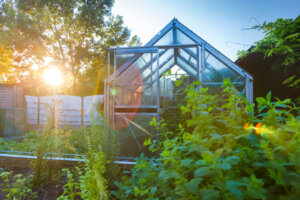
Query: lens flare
{"type": "Point", "coordinates": [259, 129]}
{"type": "Point", "coordinates": [128, 95]}
{"type": "Point", "coordinates": [53, 76]}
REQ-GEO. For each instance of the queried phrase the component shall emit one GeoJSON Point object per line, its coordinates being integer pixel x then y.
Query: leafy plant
{"type": "Point", "coordinates": [16, 186]}
{"type": "Point", "coordinates": [222, 151]}
{"type": "Point", "coordinates": [87, 182]}
{"type": "Point", "coordinates": [71, 188]}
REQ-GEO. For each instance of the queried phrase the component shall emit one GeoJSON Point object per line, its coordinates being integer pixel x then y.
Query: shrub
{"type": "Point", "coordinates": [222, 151]}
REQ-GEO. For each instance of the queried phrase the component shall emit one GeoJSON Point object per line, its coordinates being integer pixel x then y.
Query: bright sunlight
{"type": "Point", "coordinates": [53, 76]}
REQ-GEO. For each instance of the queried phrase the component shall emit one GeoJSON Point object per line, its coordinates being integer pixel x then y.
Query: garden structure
{"type": "Point", "coordinates": [141, 81]}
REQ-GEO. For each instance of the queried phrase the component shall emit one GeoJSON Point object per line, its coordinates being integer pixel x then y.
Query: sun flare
{"type": "Point", "coordinates": [53, 76]}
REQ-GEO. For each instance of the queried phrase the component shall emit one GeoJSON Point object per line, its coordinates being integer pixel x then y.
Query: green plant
{"type": "Point", "coordinates": [16, 186]}
{"type": "Point", "coordinates": [71, 188]}
{"type": "Point", "coordinates": [222, 151]}
{"type": "Point", "coordinates": [87, 182]}
{"type": "Point", "coordinates": [90, 181]}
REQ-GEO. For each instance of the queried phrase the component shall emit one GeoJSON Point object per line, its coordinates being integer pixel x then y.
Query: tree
{"type": "Point", "coordinates": [282, 44]}
{"type": "Point", "coordinates": [70, 34]}
{"type": "Point", "coordinates": [6, 63]}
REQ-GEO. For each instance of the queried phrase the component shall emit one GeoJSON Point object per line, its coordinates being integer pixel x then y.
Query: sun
{"type": "Point", "coordinates": [53, 76]}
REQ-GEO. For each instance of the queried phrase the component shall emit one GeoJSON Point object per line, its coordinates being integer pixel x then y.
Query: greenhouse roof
{"type": "Point", "coordinates": [176, 34]}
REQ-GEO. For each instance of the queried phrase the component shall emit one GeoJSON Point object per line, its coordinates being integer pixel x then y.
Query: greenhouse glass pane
{"type": "Point", "coordinates": [167, 39]}
{"type": "Point", "coordinates": [147, 72]}
{"type": "Point", "coordinates": [189, 54]}
{"type": "Point", "coordinates": [131, 137]}
{"type": "Point", "coordinates": [162, 69]}
{"type": "Point", "coordinates": [126, 59]}
{"type": "Point", "coordinates": [130, 88]}
{"type": "Point", "coordinates": [184, 54]}
{"type": "Point", "coordinates": [166, 66]}
{"type": "Point", "coordinates": [191, 51]}
{"type": "Point", "coordinates": [216, 88]}
{"type": "Point", "coordinates": [216, 71]}
{"type": "Point", "coordinates": [164, 57]}
{"type": "Point", "coordinates": [209, 74]}
{"type": "Point", "coordinates": [142, 60]}
{"type": "Point", "coordinates": [169, 53]}
{"type": "Point", "coordinates": [241, 89]}
{"type": "Point", "coordinates": [193, 62]}
{"type": "Point", "coordinates": [186, 67]}
{"type": "Point", "coordinates": [182, 38]}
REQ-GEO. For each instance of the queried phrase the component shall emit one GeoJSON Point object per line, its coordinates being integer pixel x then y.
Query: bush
{"type": "Point", "coordinates": [222, 151]}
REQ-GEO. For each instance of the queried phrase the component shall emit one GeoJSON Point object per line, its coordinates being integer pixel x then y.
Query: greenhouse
{"type": "Point", "coordinates": [141, 81]}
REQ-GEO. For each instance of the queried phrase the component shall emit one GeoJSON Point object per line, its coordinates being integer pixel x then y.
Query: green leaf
{"type": "Point", "coordinates": [187, 162]}
{"type": "Point", "coordinates": [209, 194]}
{"type": "Point", "coordinates": [147, 142]}
{"type": "Point", "coordinates": [224, 166]}
{"type": "Point", "coordinates": [260, 100]}
{"type": "Point", "coordinates": [268, 97]}
{"type": "Point", "coordinates": [203, 171]}
{"type": "Point", "coordinates": [192, 185]}
{"type": "Point", "coordinates": [232, 186]}
{"type": "Point", "coordinates": [178, 82]}
{"type": "Point", "coordinates": [232, 160]}
{"type": "Point", "coordinates": [167, 174]}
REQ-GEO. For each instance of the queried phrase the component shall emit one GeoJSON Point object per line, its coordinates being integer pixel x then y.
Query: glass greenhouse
{"type": "Point", "coordinates": [141, 80]}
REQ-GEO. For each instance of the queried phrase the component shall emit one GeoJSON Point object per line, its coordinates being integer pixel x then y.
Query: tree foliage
{"type": "Point", "coordinates": [70, 34]}
{"type": "Point", "coordinates": [6, 62]}
{"type": "Point", "coordinates": [282, 43]}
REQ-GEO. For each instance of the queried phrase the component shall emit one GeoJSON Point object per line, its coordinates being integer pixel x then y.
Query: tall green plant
{"type": "Point", "coordinates": [91, 180]}
{"type": "Point", "coordinates": [90, 183]}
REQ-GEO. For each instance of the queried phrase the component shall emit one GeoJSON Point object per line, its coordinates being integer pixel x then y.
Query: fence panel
{"type": "Point", "coordinates": [68, 109]}
{"type": "Point", "coordinates": [91, 110]}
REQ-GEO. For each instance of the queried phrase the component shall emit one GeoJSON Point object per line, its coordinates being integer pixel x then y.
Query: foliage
{"type": "Point", "coordinates": [6, 62]}
{"type": "Point", "coordinates": [222, 151]}
{"type": "Point", "coordinates": [90, 182]}
{"type": "Point", "coordinates": [71, 188]}
{"type": "Point", "coordinates": [66, 141]}
{"type": "Point", "coordinates": [73, 33]}
{"type": "Point", "coordinates": [89, 141]}
{"type": "Point", "coordinates": [87, 182]}
{"type": "Point", "coordinates": [16, 186]}
{"type": "Point", "coordinates": [42, 172]}
{"type": "Point", "coordinates": [282, 43]}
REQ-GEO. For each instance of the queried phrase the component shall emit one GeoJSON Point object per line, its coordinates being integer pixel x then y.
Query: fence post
{"type": "Point", "coordinates": [82, 111]}
{"type": "Point", "coordinates": [38, 112]}
{"type": "Point", "coordinates": [14, 110]}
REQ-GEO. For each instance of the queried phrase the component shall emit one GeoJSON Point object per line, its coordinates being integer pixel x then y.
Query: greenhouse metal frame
{"type": "Point", "coordinates": [140, 83]}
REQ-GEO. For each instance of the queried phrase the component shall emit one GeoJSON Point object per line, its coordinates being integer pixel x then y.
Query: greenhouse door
{"type": "Point", "coordinates": [132, 96]}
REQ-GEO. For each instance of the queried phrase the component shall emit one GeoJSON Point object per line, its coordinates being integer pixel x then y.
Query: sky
{"type": "Point", "coordinates": [222, 23]}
